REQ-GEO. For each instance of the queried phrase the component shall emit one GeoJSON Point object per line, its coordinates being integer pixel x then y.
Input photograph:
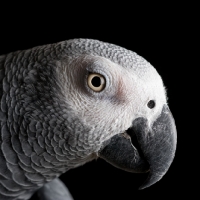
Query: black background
{"type": "Point", "coordinates": [165, 36]}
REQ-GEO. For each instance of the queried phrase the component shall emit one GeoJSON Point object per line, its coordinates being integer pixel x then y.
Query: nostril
{"type": "Point", "coordinates": [151, 104]}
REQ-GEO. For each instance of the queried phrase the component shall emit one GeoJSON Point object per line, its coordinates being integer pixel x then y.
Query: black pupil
{"type": "Point", "coordinates": [96, 81]}
{"type": "Point", "coordinates": [151, 104]}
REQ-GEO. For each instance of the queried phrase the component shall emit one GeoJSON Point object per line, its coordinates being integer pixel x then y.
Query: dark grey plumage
{"type": "Point", "coordinates": [37, 144]}
{"type": "Point", "coordinates": [34, 137]}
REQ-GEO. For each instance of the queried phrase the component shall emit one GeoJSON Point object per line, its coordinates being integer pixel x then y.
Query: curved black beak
{"type": "Point", "coordinates": [153, 151]}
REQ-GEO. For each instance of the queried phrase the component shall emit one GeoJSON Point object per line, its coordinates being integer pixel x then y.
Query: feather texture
{"type": "Point", "coordinates": [40, 139]}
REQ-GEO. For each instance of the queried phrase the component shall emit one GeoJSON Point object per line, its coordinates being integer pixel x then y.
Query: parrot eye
{"type": "Point", "coordinates": [96, 82]}
{"type": "Point", "coordinates": [151, 104]}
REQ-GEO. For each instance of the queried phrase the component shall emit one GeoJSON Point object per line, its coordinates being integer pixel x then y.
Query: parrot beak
{"type": "Point", "coordinates": [144, 149]}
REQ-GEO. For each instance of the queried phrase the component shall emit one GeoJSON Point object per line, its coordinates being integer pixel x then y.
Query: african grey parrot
{"type": "Point", "coordinates": [67, 103]}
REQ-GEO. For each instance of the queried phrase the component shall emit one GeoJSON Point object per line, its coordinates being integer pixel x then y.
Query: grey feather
{"type": "Point", "coordinates": [54, 190]}
{"type": "Point", "coordinates": [41, 136]}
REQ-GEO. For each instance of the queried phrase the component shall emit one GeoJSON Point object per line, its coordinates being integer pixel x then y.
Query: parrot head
{"type": "Point", "coordinates": [116, 109]}
{"type": "Point", "coordinates": [67, 103]}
